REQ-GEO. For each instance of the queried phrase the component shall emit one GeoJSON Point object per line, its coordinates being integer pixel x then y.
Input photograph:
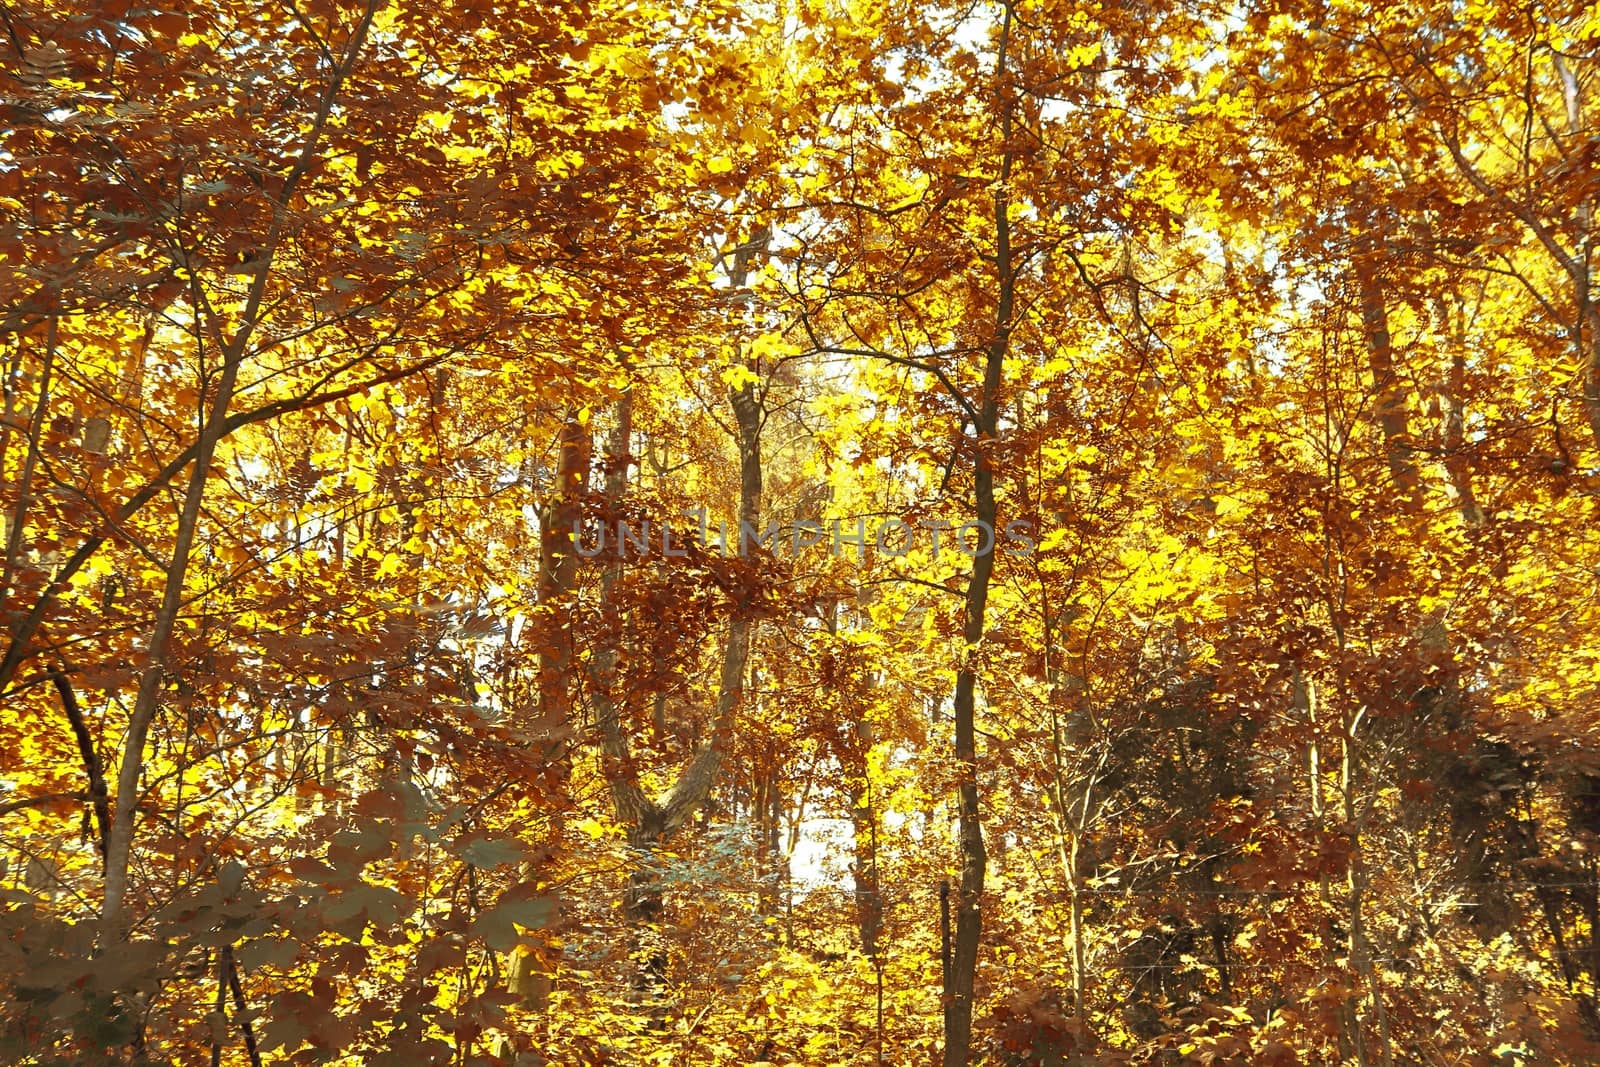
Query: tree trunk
{"type": "Point", "coordinates": [1586, 314]}
{"type": "Point", "coordinates": [119, 842]}
{"type": "Point", "coordinates": [768, 811]}
{"type": "Point", "coordinates": [653, 822]}
{"type": "Point", "coordinates": [531, 975]}
{"type": "Point", "coordinates": [1452, 419]}
{"type": "Point", "coordinates": [1390, 407]}
{"type": "Point", "coordinates": [974, 858]}
{"type": "Point", "coordinates": [650, 821]}
{"type": "Point", "coordinates": [864, 871]}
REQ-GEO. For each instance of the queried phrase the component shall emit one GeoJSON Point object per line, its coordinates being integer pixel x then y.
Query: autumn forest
{"type": "Point", "coordinates": [843, 533]}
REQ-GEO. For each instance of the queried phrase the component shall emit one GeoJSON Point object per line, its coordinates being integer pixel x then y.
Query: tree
{"type": "Point", "coordinates": [816, 532]}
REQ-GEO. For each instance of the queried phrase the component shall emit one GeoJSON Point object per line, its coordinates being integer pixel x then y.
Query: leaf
{"type": "Point", "coordinates": [487, 853]}
{"type": "Point", "coordinates": [498, 925]}
{"type": "Point", "coordinates": [230, 878]}
{"type": "Point", "coordinates": [738, 376]}
{"type": "Point", "coordinates": [267, 952]}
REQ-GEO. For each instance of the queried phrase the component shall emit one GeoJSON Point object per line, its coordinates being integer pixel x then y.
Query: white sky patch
{"type": "Point", "coordinates": [818, 858]}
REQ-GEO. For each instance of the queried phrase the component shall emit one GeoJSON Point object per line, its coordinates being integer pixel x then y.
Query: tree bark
{"type": "Point", "coordinates": [1390, 407]}
{"type": "Point", "coordinates": [1452, 420]}
{"type": "Point", "coordinates": [1586, 315]}
{"type": "Point", "coordinates": [558, 568]}
{"type": "Point", "coordinates": [214, 425]}
{"type": "Point", "coordinates": [651, 821]}
{"type": "Point", "coordinates": [974, 858]}
{"type": "Point", "coordinates": [530, 974]}
{"type": "Point", "coordinates": [868, 894]}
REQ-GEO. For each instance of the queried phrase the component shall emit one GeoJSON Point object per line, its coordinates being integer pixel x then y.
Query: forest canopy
{"type": "Point", "coordinates": [816, 532]}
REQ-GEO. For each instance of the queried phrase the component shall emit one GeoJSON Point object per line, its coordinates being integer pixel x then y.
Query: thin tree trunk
{"type": "Point", "coordinates": [530, 975]}
{"type": "Point", "coordinates": [1452, 419]}
{"type": "Point", "coordinates": [768, 812]}
{"type": "Point", "coordinates": [93, 769]}
{"type": "Point", "coordinates": [1360, 947]}
{"type": "Point", "coordinates": [1586, 315]}
{"type": "Point", "coordinates": [650, 822]}
{"type": "Point", "coordinates": [974, 858]}
{"type": "Point", "coordinates": [1305, 700]}
{"type": "Point", "coordinates": [154, 674]}
{"type": "Point", "coordinates": [213, 425]}
{"type": "Point", "coordinates": [19, 517]}
{"type": "Point", "coordinates": [868, 897]}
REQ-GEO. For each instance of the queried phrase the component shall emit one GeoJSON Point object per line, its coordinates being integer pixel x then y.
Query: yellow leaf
{"type": "Point", "coordinates": [737, 377]}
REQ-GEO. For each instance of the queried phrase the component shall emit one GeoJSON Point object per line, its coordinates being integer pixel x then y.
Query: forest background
{"type": "Point", "coordinates": [323, 325]}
